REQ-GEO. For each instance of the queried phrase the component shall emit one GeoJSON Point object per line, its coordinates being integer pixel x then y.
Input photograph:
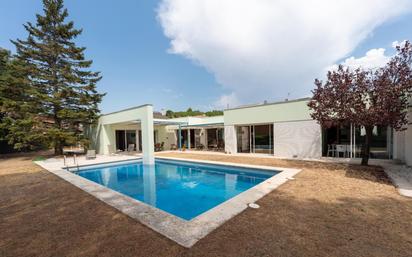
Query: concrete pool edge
{"type": "Point", "coordinates": [185, 233]}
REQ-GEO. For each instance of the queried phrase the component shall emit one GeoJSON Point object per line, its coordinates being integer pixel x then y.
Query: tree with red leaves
{"type": "Point", "coordinates": [366, 98]}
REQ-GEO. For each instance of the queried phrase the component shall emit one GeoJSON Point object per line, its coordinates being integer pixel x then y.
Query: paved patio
{"type": "Point", "coordinates": [401, 176]}
{"type": "Point", "coordinates": [71, 161]}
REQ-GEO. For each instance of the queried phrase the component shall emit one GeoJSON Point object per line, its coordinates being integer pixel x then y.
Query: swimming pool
{"type": "Point", "coordinates": [182, 188]}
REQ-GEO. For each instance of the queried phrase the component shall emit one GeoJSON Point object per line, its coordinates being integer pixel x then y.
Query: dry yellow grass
{"type": "Point", "coordinates": [329, 210]}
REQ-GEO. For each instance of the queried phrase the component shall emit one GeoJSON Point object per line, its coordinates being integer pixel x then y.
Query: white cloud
{"type": "Point", "coordinates": [397, 43]}
{"type": "Point", "coordinates": [262, 50]}
{"type": "Point", "coordinates": [374, 58]}
{"type": "Point", "coordinates": [227, 101]}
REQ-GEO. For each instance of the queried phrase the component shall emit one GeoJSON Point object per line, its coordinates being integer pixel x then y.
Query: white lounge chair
{"type": "Point", "coordinates": [110, 149]}
{"type": "Point", "coordinates": [130, 148]}
{"type": "Point", "coordinates": [90, 154]}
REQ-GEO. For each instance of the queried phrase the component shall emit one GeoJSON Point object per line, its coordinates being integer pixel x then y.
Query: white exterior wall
{"type": "Point", "coordinates": [166, 134]}
{"type": "Point", "coordinates": [143, 114]}
{"type": "Point", "coordinates": [230, 139]}
{"type": "Point", "coordinates": [408, 138]}
{"type": "Point", "coordinates": [106, 143]}
{"type": "Point", "coordinates": [402, 142]}
{"type": "Point", "coordinates": [298, 139]}
{"type": "Point", "coordinates": [399, 145]}
{"type": "Point", "coordinates": [408, 145]}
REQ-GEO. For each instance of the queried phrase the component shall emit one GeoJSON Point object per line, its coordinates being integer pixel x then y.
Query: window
{"type": "Point", "coordinates": [255, 139]}
{"type": "Point", "coordinates": [124, 138]}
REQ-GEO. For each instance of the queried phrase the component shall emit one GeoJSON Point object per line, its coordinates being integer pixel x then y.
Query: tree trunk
{"type": "Point", "coordinates": [58, 147]}
{"type": "Point", "coordinates": [366, 145]}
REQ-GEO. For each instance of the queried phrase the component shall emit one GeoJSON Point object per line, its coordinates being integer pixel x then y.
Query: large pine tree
{"type": "Point", "coordinates": [19, 124]}
{"type": "Point", "coordinates": [59, 76]}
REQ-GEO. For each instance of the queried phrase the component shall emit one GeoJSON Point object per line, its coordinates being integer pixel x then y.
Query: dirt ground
{"type": "Point", "coordinates": [329, 210]}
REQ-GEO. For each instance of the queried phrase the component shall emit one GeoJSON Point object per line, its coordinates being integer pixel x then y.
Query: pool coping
{"type": "Point", "coordinates": [186, 233]}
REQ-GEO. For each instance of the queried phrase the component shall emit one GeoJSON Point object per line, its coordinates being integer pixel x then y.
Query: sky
{"type": "Point", "coordinates": [214, 54]}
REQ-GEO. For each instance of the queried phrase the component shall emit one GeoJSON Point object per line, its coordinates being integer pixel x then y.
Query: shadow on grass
{"type": "Point", "coordinates": [28, 155]}
{"type": "Point", "coordinates": [370, 173]}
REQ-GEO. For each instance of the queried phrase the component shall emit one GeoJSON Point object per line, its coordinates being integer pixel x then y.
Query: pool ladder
{"type": "Point", "coordinates": [75, 162]}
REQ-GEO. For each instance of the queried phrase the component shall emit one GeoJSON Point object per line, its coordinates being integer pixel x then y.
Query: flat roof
{"type": "Point", "coordinates": [271, 103]}
{"type": "Point", "coordinates": [205, 124]}
{"type": "Point", "coordinates": [168, 122]}
{"type": "Point", "coordinates": [127, 109]}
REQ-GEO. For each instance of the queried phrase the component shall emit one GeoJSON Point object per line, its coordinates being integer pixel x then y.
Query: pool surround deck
{"type": "Point", "coordinates": [185, 233]}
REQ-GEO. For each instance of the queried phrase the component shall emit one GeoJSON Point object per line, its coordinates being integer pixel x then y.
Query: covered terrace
{"type": "Point", "coordinates": [133, 130]}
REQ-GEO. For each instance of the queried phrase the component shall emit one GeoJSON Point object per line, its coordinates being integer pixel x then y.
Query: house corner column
{"type": "Point", "coordinates": [107, 141]}
{"type": "Point", "coordinates": [230, 139]}
{"type": "Point", "coordinates": [147, 135]}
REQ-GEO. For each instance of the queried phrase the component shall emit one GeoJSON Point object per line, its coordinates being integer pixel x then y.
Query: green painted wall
{"type": "Point", "coordinates": [131, 114]}
{"type": "Point", "coordinates": [295, 110]}
{"type": "Point", "coordinates": [108, 122]}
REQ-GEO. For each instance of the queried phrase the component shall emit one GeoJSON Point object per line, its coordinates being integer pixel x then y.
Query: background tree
{"type": "Point", "coordinates": [366, 98]}
{"type": "Point", "coordinates": [191, 112]}
{"type": "Point", "coordinates": [59, 77]}
{"type": "Point", "coordinates": [19, 127]}
{"type": "Point", "coordinates": [214, 113]}
{"type": "Point", "coordinates": [4, 61]}
{"type": "Point", "coordinates": [169, 113]}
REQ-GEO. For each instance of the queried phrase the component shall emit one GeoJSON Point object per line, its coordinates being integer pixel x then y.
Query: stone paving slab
{"type": "Point", "coordinates": [401, 176]}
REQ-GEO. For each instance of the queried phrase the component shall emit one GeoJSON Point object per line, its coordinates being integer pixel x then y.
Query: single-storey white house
{"type": "Point", "coordinates": [280, 129]}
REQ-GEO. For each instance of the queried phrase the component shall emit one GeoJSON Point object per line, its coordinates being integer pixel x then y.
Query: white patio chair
{"type": "Point", "coordinates": [331, 151]}
{"type": "Point", "coordinates": [349, 150]}
{"type": "Point", "coordinates": [341, 149]}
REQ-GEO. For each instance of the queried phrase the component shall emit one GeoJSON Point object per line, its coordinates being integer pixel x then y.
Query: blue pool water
{"type": "Point", "coordinates": [184, 189]}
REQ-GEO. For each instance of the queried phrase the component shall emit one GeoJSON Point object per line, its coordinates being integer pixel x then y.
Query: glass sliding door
{"type": "Point", "coordinates": [183, 137]}
{"type": "Point", "coordinates": [211, 138]}
{"type": "Point", "coordinates": [140, 141]}
{"type": "Point", "coordinates": [336, 135]}
{"type": "Point", "coordinates": [192, 138]}
{"type": "Point", "coordinates": [215, 139]}
{"type": "Point", "coordinates": [255, 139]}
{"type": "Point", "coordinates": [124, 138]}
{"type": "Point", "coordinates": [381, 145]}
{"type": "Point", "coordinates": [220, 139]}
{"type": "Point", "coordinates": [348, 140]}
{"type": "Point", "coordinates": [198, 137]}
{"type": "Point", "coordinates": [263, 139]}
{"type": "Point", "coordinates": [120, 140]}
{"type": "Point", "coordinates": [131, 139]}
